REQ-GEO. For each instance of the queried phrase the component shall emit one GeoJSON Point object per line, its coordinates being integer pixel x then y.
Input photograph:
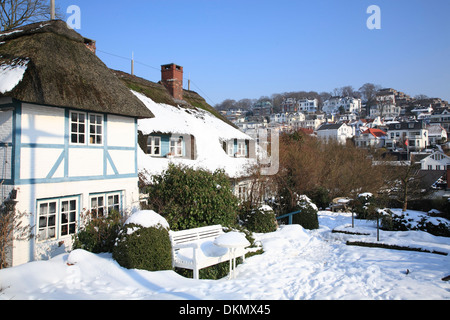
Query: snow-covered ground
{"type": "Point", "coordinates": [297, 265]}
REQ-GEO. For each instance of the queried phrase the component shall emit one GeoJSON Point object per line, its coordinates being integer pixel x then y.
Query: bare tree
{"type": "Point", "coordinates": [404, 182]}
{"type": "Point", "coordinates": [14, 13]}
{"type": "Point", "coordinates": [348, 91]}
{"type": "Point", "coordinates": [369, 92]}
{"type": "Point", "coordinates": [12, 228]}
{"type": "Point", "coordinates": [421, 97]}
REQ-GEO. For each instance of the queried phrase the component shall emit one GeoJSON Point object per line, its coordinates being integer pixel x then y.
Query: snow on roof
{"type": "Point", "coordinates": [208, 130]}
{"type": "Point", "coordinates": [12, 74]}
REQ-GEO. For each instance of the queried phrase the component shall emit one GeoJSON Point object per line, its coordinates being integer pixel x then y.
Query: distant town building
{"type": "Point", "coordinates": [345, 104]}
{"type": "Point", "coordinates": [335, 131]}
{"type": "Point", "coordinates": [263, 108]}
{"type": "Point", "coordinates": [371, 138]}
{"type": "Point", "coordinates": [411, 136]}
{"type": "Point", "coordinates": [308, 105]}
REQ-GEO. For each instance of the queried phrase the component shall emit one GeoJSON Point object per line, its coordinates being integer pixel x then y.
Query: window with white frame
{"type": "Point", "coordinates": [57, 218]}
{"type": "Point", "coordinates": [241, 149]}
{"type": "Point", "coordinates": [176, 147]}
{"type": "Point", "coordinates": [242, 192]}
{"type": "Point", "coordinates": [103, 204]}
{"type": "Point", "coordinates": [78, 127]}
{"type": "Point", "coordinates": [95, 129]}
{"type": "Point", "coordinates": [82, 125]}
{"type": "Point", "coordinates": [113, 202]}
{"type": "Point", "coordinates": [154, 146]}
{"type": "Point", "coordinates": [68, 214]}
{"type": "Point", "coordinates": [230, 147]}
{"type": "Point", "coordinates": [97, 204]}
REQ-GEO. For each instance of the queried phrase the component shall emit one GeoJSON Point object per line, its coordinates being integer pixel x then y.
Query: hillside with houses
{"type": "Point", "coordinates": [381, 120]}
{"type": "Point", "coordinates": [312, 113]}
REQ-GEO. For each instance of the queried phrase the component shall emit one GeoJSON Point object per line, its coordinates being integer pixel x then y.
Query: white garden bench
{"type": "Point", "coordinates": [194, 249]}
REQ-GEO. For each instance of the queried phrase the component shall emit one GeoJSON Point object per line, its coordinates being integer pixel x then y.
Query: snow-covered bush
{"type": "Point", "coordinates": [261, 220]}
{"type": "Point", "coordinates": [398, 220]}
{"type": "Point", "coordinates": [364, 206]}
{"type": "Point", "coordinates": [144, 243]}
{"type": "Point", "coordinates": [308, 217]}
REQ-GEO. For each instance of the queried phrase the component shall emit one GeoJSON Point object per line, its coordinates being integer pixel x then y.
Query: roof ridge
{"type": "Point", "coordinates": [58, 27]}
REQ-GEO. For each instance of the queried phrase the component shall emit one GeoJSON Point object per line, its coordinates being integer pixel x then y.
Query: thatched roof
{"type": "Point", "coordinates": [159, 94]}
{"type": "Point", "coordinates": [62, 71]}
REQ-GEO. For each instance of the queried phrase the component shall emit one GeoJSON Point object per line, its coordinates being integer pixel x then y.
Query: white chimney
{"type": "Point", "coordinates": [52, 9]}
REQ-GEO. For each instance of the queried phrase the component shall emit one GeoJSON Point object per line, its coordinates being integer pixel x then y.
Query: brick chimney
{"type": "Point", "coordinates": [91, 45]}
{"type": "Point", "coordinates": [172, 79]}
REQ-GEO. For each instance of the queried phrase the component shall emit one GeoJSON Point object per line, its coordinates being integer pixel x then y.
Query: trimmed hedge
{"type": "Point", "coordinates": [143, 248]}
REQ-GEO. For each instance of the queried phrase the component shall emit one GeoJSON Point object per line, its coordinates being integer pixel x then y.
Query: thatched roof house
{"type": "Point", "coordinates": [58, 69]}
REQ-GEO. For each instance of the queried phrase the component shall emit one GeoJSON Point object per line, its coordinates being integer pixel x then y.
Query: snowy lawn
{"type": "Point", "coordinates": [297, 264]}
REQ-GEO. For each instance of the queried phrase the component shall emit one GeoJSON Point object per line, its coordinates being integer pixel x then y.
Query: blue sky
{"type": "Point", "coordinates": [250, 48]}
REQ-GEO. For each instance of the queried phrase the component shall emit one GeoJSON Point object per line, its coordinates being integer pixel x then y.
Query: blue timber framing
{"type": "Point", "coordinates": [63, 158]}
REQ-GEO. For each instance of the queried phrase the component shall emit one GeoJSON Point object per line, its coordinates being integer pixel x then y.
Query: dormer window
{"type": "Point", "coordinates": [241, 149]}
{"type": "Point", "coordinates": [176, 147]}
{"type": "Point", "coordinates": [154, 146]}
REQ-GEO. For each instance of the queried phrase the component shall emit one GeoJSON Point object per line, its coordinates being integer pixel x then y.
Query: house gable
{"type": "Point", "coordinates": [435, 161]}
{"type": "Point", "coordinates": [45, 147]}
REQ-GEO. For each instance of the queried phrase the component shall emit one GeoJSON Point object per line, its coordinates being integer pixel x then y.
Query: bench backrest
{"type": "Point", "coordinates": [192, 235]}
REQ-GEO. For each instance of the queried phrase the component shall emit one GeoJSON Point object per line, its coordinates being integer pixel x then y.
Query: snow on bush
{"type": "Point", "coordinates": [147, 219]}
{"type": "Point", "coordinates": [262, 220]}
{"type": "Point", "coordinates": [399, 220]}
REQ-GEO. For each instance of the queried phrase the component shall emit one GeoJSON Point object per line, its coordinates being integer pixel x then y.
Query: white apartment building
{"type": "Point", "coordinates": [407, 135]}
{"type": "Point", "coordinates": [350, 105]}
{"type": "Point", "coordinates": [308, 105]}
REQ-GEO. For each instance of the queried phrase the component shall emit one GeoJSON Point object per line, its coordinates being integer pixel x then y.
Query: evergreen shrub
{"type": "Point", "coordinates": [99, 233]}
{"type": "Point", "coordinates": [320, 196]}
{"type": "Point", "coordinates": [188, 198]}
{"type": "Point", "coordinates": [421, 222]}
{"type": "Point", "coordinates": [308, 218]}
{"type": "Point", "coordinates": [138, 247]}
{"type": "Point", "coordinates": [261, 220]}
{"type": "Point", "coordinates": [364, 206]}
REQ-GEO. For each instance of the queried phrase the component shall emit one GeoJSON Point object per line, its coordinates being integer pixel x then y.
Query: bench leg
{"type": "Point", "coordinates": [196, 273]}
{"type": "Point", "coordinates": [231, 267]}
